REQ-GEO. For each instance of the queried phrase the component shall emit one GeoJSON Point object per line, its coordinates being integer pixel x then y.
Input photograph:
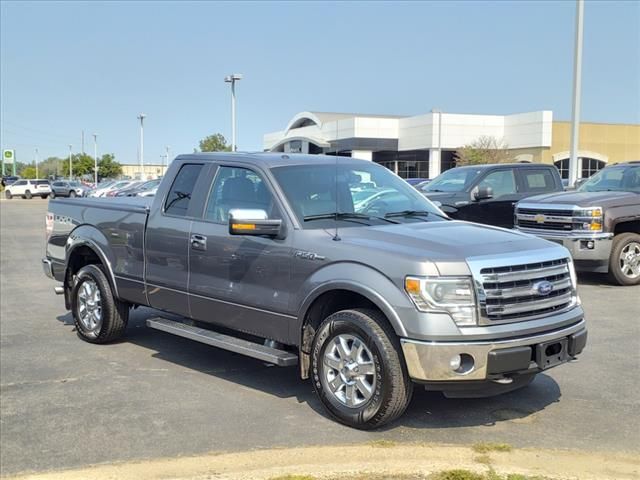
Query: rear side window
{"type": "Point", "coordinates": [179, 197]}
{"type": "Point", "coordinates": [538, 180]}
{"type": "Point", "coordinates": [20, 183]}
{"type": "Point", "coordinates": [42, 182]}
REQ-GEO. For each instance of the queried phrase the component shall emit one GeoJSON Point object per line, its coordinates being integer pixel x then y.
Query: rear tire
{"type": "Point", "coordinates": [28, 195]}
{"type": "Point", "coordinates": [72, 194]}
{"type": "Point", "coordinates": [53, 194]}
{"type": "Point", "coordinates": [98, 316]}
{"type": "Point", "coordinates": [358, 371]}
{"type": "Point", "coordinates": [624, 262]}
{"type": "Point", "coordinates": [7, 195]}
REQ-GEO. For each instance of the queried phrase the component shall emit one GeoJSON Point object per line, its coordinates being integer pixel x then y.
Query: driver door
{"type": "Point", "coordinates": [497, 210]}
{"type": "Point", "coordinates": [239, 282]}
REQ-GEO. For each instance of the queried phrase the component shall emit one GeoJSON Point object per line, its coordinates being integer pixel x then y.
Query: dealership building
{"type": "Point", "coordinates": [425, 145]}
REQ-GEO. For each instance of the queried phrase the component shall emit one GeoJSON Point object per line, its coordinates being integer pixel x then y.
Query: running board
{"type": "Point", "coordinates": [281, 358]}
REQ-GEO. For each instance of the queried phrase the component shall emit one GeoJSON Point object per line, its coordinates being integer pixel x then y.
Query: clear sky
{"type": "Point", "coordinates": [69, 66]}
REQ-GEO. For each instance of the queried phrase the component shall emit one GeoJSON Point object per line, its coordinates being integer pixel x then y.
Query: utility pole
{"type": "Point", "coordinates": [232, 79]}
{"type": "Point", "coordinates": [141, 118]}
{"type": "Point", "coordinates": [82, 146]}
{"type": "Point", "coordinates": [577, 84]}
{"type": "Point", "coordinates": [95, 159]}
{"type": "Point", "coordinates": [70, 163]}
{"type": "Point", "coordinates": [36, 163]}
{"type": "Point", "coordinates": [167, 157]}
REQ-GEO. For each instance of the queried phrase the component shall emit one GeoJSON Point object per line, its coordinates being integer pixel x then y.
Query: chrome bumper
{"type": "Point", "coordinates": [47, 268]}
{"type": "Point", "coordinates": [430, 361]}
{"type": "Point", "coordinates": [578, 243]}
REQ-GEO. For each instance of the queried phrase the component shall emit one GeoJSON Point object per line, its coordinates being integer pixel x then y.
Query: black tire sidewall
{"type": "Point", "coordinates": [343, 323]}
{"type": "Point", "coordinates": [72, 194]}
{"type": "Point", "coordinates": [619, 242]}
{"type": "Point", "coordinates": [53, 194]}
{"type": "Point", "coordinates": [28, 195]}
{"type": "Point", "coordinates": [94, 273]}
{"type": "Point", "coordinates": [7, 195]}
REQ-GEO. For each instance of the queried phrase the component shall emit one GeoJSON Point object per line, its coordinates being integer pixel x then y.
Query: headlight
{"type": "Point", "coordinates": [589, 219]}
{"type": "Point", "coordinates": [574, 282]}
{"type": "Point", "coordinates": [437, 294]}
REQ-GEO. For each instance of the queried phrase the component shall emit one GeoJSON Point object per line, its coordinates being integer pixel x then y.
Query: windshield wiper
{"type": "Point", "coordinates": [345, 216]}
{"type": "Point", "coordinates": [415, 213]}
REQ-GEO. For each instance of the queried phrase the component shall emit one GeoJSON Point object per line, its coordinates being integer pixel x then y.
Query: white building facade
{"type": "Point", "coordinates": [412, 146]}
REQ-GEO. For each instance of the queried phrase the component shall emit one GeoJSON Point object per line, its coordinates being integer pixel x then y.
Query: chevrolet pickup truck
{"type": "Point", "coordinates": [599, 223]}
{"type": "Point", "coordinates": [266, 255]}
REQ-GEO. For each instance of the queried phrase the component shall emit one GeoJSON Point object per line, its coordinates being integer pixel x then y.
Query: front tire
{"type": "Point", "coordinates": [98, 316]}
{"type": "Point", "coordinates": [358, 372]}
{"type": "Point", "coordinates": [624, 262]}
{"type": "Point", "coordinates": [72, 194]}
{"type": "Point", "coordinates": [7, 195]}
{"type": "Point", "coordinates": [53, 194]}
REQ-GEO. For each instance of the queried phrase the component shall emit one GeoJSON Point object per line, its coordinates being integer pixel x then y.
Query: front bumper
{"type": "Point", "coordinates": [579, 244]}
{"type": "Point", "coordinates": [47, 267]}
{"type": "Point", "coordinates": [486, 360]}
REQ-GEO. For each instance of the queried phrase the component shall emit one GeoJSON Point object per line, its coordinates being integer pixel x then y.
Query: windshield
{"type": "Point", "coordinates": [625, 179]}
{"type": "Point", "coordinates": [313, 191]}
{"type": "Point", "coordinates": [454, 180]}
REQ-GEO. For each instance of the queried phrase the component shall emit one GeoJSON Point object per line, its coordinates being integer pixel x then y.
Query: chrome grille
{"type": "Point", "coordinates": [510, 293]}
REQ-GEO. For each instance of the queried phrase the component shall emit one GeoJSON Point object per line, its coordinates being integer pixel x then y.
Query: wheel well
{"type": "Point", "coordinates": [326, 304]}
{"type": "Point", "coordinates": [80, 257]}
{"type": "Point", "coordinates": [627, 227]}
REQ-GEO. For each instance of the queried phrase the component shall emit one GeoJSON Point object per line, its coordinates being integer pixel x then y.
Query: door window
{"type": "Point", "coordinates": [236, 187]}
{"type": "Point", "coordinates": [177, 202]}
{"type": "Point", "coordinates": [20, 183]}
{"type": "Point", "coordinates": [502, 182]}
{"type": "Point", "coordinates": [538, 180]}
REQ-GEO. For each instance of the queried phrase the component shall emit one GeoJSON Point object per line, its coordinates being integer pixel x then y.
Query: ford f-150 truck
{"type": "Point", "coordinates": [266, 255]}
{"type": "Point", "coordinates": [599, 223]}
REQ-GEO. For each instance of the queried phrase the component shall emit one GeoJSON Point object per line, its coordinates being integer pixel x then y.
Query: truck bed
{"type": "Point", "coordinates": [115, 227]}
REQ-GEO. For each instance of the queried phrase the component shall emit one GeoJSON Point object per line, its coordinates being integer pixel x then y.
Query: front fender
{"type": "Point", "coordinates": [357, 278]}
{"type": "Point", "coordinates": [90, 236]}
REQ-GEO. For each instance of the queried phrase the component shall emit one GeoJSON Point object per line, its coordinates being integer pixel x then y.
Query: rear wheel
{"type": "Point", "coordinates": [53, 194]}
{"type": "Point", "coordinates": [98, 316]}
{"type": "Point", "coordinates": [357, 369]}
{"type": "Point", "coordinates": [624, 262]}
{"type": "Point", "coordinates": [7, 195]}
{"type": "Point", "coordinates": [72, 194]}
{"type": "Point", "coordinates": [28, 195]}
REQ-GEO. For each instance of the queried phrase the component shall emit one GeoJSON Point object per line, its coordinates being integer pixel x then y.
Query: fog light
{"type": "Point", "coordinates": [590, 244]}
{"type": "Point", "coordinates": [455, 362]}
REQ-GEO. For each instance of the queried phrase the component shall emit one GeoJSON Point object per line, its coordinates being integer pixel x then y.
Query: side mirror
{"type": "Point", "coordinates": [483, 193]}
{"type": "Point", "coordinates": [253, 222]}
{"type": "Point", "coordinates": [579, 182]}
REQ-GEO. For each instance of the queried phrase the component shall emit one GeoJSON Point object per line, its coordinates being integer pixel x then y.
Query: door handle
{"type": "Point", "coordinates": [198, 242]}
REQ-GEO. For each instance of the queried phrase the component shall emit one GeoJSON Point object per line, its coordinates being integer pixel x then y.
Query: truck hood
{"type": "Point", "coordinates": [587, 199]}
{"type": "Point", "coordinates": [449, 245]}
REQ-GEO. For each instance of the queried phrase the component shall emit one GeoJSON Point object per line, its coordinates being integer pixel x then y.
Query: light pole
{"type": "Point", "coordinates": [95, 159]}
{"type": "Point", "coordinates": [167, 158]}
{"type": "Point", "coordinates": [36, 163]}
{"type": "Point", "coordinates": [577, 82]}
{"type": "Point", "coordinates": [70, 164]}
{"type": "Point", "coordinates": [141, 117]}
{"type": "Point", "coordinates": [232, 80]}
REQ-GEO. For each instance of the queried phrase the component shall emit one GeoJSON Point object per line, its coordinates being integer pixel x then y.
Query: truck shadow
{"type": "Point", "coordinates": [597, 279]}
{"type": "Point", "coordinates": [427, 409]}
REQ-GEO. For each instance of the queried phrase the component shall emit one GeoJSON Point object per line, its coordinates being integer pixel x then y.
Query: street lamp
{"type": "Point", "coordinates": [70, 164]}
{"type": "Point", "coordinates": [232, 80]}
{"type": "Point", "coordinates": [141, 117]}
{"type": "Point", "coordinates": [577, 83]}
{"type": "Point", "coordinates": [36, 163]}
{"type": "Point", "coordinates": [95, 159]}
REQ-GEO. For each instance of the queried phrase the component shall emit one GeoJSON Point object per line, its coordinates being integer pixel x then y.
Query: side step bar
{"type": "Point", "coordinates": [281, 358]}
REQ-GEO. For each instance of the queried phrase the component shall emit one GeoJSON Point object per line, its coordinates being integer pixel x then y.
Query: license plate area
{"type": "Point", "coordinates": [552, 353]}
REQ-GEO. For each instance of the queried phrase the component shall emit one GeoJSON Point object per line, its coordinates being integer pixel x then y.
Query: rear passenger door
{"type": "Point", "coordinates": [167, 239]}
{"type": "Point", "coordinates": [240, 282]}
{"type": "Point", "coordinates": [535, 181]}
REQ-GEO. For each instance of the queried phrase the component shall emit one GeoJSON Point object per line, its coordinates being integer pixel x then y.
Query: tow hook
{"type": "Point", "coordinates": [502, 380]}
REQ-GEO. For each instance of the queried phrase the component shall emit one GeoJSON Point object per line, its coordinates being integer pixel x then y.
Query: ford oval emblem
{"type": "Point", "coordinates": [543, 287]}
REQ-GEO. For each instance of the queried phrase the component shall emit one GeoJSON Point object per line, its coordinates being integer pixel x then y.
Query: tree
{"type": "Point", "coordinates": [483, 150]}
{"type": "Point", "coordinates": [28, 172]}
{"type": "Point", "coordinates": [108, 167]}
{"type": "Point", "coordinates": [214, 143]}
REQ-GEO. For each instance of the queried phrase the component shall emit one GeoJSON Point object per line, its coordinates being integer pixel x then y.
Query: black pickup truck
{"type": "Point", "coordinates": [488, 193]}
{"type": "Point", "coordinates": [273, 256]}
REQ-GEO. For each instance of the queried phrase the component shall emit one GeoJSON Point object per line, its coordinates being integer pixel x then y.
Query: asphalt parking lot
{"type": "Point", "coordinates": [66, 403]}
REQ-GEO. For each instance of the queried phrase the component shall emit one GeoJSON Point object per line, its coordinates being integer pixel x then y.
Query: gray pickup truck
{"type": "Point", "coordinates": [271, 256]}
